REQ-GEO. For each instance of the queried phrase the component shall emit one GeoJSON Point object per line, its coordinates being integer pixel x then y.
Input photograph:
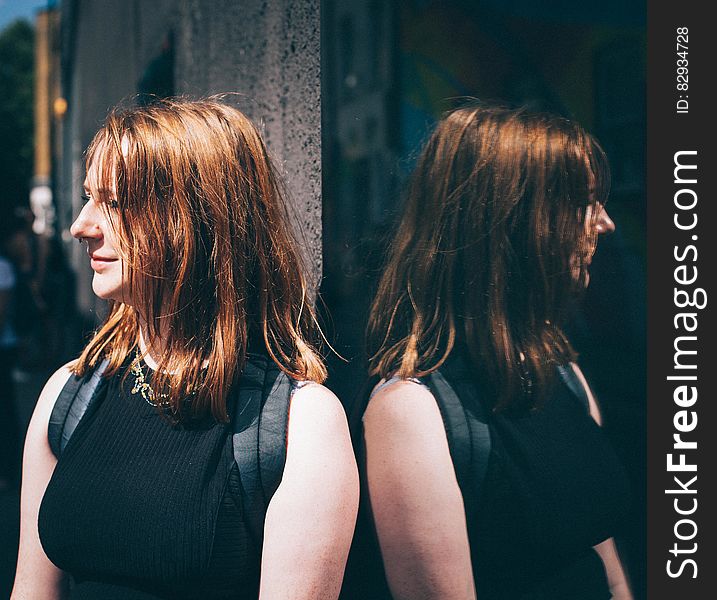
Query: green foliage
{"type": "Point", "coordinates": [16, 113]}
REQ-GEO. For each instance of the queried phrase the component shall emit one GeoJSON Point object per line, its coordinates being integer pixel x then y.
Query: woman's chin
{"type": "Point", "coordinates": [104, 291]}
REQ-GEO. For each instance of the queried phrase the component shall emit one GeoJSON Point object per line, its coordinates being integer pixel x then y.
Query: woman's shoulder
{"type": "Point", "coordinates": [37, 430]}
{"type": "Point", "coordinates": [388, 382]}
{"type": "Point", "coordinates": [318, 428]}
{"type": "Point", "coordinates": [400, 407]}
{"type": "Point", "coordinates": [53, 387]}
{"type": "Point", "coordinates": [316, 400]}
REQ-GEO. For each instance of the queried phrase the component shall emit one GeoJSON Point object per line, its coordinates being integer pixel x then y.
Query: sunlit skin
{"type": "Point", "coordinates": [93, 227]}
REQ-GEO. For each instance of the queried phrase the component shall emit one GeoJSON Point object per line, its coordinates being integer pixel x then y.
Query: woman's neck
{"type": "Point", "coordinates": [151, 352]}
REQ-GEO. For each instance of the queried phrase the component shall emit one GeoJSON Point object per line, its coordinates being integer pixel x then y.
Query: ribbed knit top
{"type": "Point", "coordinates": [138, 508]}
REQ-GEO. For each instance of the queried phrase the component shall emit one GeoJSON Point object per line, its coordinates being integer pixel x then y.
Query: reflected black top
{"type": "Point", "coordinates": [553, 488]}
{"type": "Point", "coordinates": [140, 509]}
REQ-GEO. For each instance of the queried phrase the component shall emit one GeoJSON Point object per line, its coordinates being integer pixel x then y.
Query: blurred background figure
{"type": "Point", "coordinates": [17, 39]}
{"type": "Point", "coordinates": [15, 260]}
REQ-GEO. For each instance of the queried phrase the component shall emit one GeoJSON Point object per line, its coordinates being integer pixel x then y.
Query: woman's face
{"type": "Point", "coordinates": [595, 226]}
{"type": "Point", "coordinates": [93, 227]}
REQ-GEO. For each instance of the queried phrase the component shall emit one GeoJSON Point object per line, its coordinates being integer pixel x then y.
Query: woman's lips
{"type": "Point", "coordinates": [99, 263]}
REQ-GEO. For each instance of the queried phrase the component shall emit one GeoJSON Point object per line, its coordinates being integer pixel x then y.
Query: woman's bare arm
{"type": "Point", "coordinates": [311, 517]}
{"type": "Point", "coordinates": [415, 499]}
{"type": "Point", "coordinates": [616, 578]}
{"type": "Point", "coordinates": [36, 576]}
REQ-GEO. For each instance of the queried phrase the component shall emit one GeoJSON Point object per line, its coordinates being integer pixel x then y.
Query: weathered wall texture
{"type": "Point", "coordinates": [265, 51]}
{"type": "Point", "coordinates": [269, 52]}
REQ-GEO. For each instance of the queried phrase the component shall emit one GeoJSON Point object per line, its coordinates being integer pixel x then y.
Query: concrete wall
{"type": "Point", "coordinates": [267, 51]}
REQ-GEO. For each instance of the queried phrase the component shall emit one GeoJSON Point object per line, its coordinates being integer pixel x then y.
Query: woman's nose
{"type": "Point", "coordinates": [604, 223]}
{"type": "Point", "coordinates": [86, 224]}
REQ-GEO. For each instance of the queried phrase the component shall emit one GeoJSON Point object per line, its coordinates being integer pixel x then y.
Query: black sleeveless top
{"type": "Point", "coordinates": [138, 508]}
{"type": "Point", "coordinates": [553, 488]}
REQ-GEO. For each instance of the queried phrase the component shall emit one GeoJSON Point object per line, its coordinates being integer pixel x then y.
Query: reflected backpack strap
{"type": "Point", "coordinates": [75, 398]}
{"type": "Point", "coordinates": [469, 445]}
{"type": "Point", "coordinates": [259, 437]}
{"type": "Point", "coordinates": [570, 379]}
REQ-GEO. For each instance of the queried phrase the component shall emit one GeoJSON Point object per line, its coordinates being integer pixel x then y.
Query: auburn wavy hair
{"type": "Point", "coordinates": [491, 250]}
{"type": "Point", "coordinates": [207, 248]}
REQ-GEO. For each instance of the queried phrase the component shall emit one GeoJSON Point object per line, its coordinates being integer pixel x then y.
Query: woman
{"type": "Point", "coordinates": [486, 475]}
{"type": "Point", "coordinates": [188, 238]}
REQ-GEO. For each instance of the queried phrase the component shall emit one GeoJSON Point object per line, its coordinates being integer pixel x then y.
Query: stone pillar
{"type": "Point", "coordinates": [267, 51]}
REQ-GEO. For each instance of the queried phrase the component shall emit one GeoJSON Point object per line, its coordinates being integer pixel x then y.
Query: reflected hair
{"type": "Point", "coordinates": [491, 250]}
{"type": "Point", "coordinates": [204, 235]}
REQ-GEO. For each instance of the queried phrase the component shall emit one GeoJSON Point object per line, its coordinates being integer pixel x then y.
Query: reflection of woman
{"type": "Point", "coordinates": [487, 476]}
{"type": "Point", "coordinates": [188, 238]}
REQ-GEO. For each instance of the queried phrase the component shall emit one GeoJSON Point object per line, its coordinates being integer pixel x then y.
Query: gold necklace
{"type": "Point", "coordinates": [142, 387]}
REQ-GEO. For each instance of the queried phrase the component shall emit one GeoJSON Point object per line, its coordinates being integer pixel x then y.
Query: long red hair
{"type": "Point", "coordinates": [204, 234]}
{"type": "Point", "coordinates": [491, 249]}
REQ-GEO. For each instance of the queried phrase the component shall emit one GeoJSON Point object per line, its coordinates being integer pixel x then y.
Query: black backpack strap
{"type": "Point", "coordinates": [273, 429]}
{"type": "Point", "coordinates": [357, 409]}
{"type": "Point", "coordinates": [469, 443]}
{"type": "Point", "coordinates": [570, 379]}
{"type": "Point", "coordinates": [259, 437]}
{"type": "Point", "coordinates": [77, 395]}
